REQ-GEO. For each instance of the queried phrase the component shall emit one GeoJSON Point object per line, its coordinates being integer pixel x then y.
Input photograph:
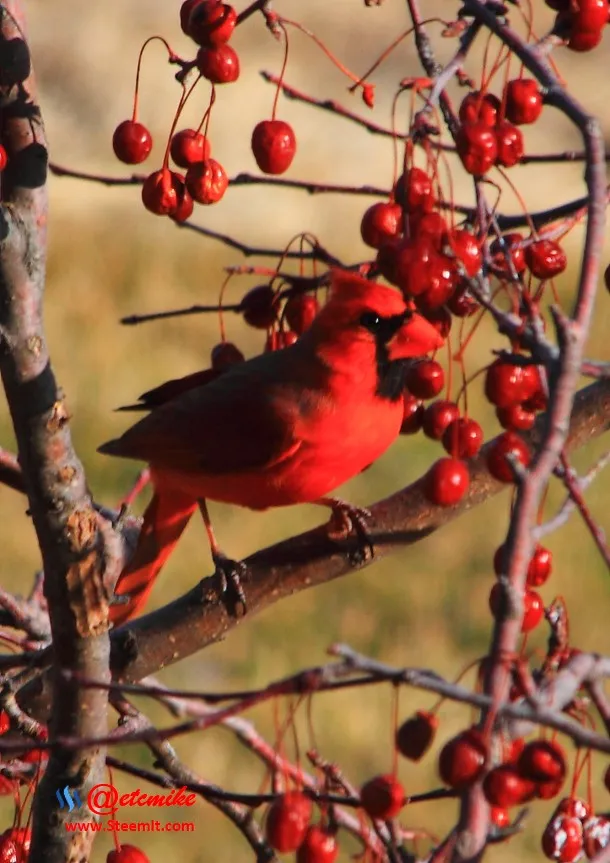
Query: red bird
{"type": "Point", "coordinates": [282, 428]}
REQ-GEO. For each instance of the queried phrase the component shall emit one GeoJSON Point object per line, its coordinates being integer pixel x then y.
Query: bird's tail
{"type": "Point", "coordinates": [165, 519]}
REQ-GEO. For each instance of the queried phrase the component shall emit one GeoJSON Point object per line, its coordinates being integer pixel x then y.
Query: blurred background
{"type": "Point", "coordinates": [108, 257]}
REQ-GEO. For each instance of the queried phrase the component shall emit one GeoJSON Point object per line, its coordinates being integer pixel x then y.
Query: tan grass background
{"type": "Point", "coordinates": [108, 257]}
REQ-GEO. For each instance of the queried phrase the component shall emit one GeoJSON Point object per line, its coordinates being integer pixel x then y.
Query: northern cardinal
{"type": "Point", "coordinates": [282, 428]}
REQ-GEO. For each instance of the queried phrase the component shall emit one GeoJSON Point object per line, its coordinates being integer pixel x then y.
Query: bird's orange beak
{"type": "Point", "coordinates": [415, 338]}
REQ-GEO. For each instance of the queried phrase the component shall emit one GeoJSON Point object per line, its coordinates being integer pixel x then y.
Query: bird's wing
{"type": "Point", "coordinates": [170, 389]}
{"type": "Point", "coordinates": [245, 420]}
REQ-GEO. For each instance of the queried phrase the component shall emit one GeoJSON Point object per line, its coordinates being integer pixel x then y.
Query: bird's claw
{"type": "Point", "coordinates": [347, 519]}
{"type": "Point", "coordinates": [231, 574]}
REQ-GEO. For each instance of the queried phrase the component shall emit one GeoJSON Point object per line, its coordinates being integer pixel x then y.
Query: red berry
{"type": "Point", "coordinates": [380, 223]}
{"type": "Point", "coordinates": [220, 64]}
{"type": "Point", "coordinates": [127, 854]}
{"type": "Point", "coordinates": [504, 786]}
{"type": "Point", "coordinates": [287, 821]}
{"type": "Point", "coordinates": [438, 416]}
{"type": "Point", "coordinates": [507, 445]}
{"type": "Point", "coordinates": [539, 567]}
{"type": "Point", "coordinates": [462, 304]}
{"type": "Point", "coordinates": [15, 845]}
{"type": "Point", "coordinates": [462, 759]}
{"type": "Point", "coordinates": [432, 225]}
{"type": "Point", "coordinates": [5, 722]}
{"type": "Point", "coordinates": [550, 789]}
{"type": "Point", "coordinates": [425, 379]}
{"type": "Point", "coordinates": [463, 438]}
{"type": "Point", "coordinates": [515, 418]}
{"type": "Point", "coordinates": [545, 259]}
{"type": "Point", "coordinates": [3, 158]}
{"type": "Point", "coordinates": [131, 142]}
{"type": "Point", "coordinates": [499, 816]}
{"type": "Point", "coordinates": [582, 40]}
{"type": "Point", "coordinates": [563, 839]}
{"type": "Point", "coordinates": [543, 761]}
{"type": "Point", "coordinates": [436, 283]}
{"type": "Point", "coordinates": [480, 107]}
{"type": "Point", "coordinates": [465, 247]}
{"type": "Point", "coordinates": [477, 147]}
{"type": "Point", "coordinates": [533, 610]}
{"type": "Point", "coordinates": [505, 250]}
{"type": "Point", "coordinates": [440, 319]}
{"type": "Point", "coordinates": [185, 14]}
{"type": "Point", "coordinates": [318, 846]}
{"type": "Point", "coordinates": [575, 807]}
{"type": "Point", "coordinates": [386, 260]}
{"type": "Point", "coordinates": [184, 205]}
{"type": "Point", "coordinates": [207, 181]}
{"type": "Point", "coordinates": [160, 192]}
{"type": "Point", "coordinates": [523, 101]}
{"type": "Point", "coordinates": [510, 144]}
{"type": "Point", "coordinates": [505, 384]}
{"type": "Point", "coordinates": [382, 797]}
{"type": "Point", "coordinates": [188, 147]}
{"type": "Point", "coordinates": [414, 737]}
{"type": "Point", "coordinates": [259, 307]}
{"type": "Point", "coordinates": [225, 355]}
{"type": "Point", "coordinates": [212, 23]}
{"type": "Point", "coordinates": [279, 339]}
{"type": "Point", "coordinates": [273, 145]}
{"type": "Point", "coordinates": [596, 834]}
{"type": "Point", "coordinates": [300, 312]}
{"type": "Point", "coordinates": [412, 414]}
{"type": "Point", "coordinates": [413, 191]}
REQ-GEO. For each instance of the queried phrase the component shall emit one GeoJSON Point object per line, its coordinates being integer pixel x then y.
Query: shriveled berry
{"type": "Point", "coordinates": [382, 797]}
{"type": "Point", "coordinates": [438, 416]}
{"type": "Point", "coordinates": [506, 250]}
{"type": "Point", "coordinates": [425, 379]}
{"type": "Point", "coordinates": [477, 147]}
{"type": "Point", "coordinates": [462, 759]}
{"type": "Point", "coordinates": [287, 821]}
{"type": "Point", "coordinates": [463, 438]}
{"type": "Point", "coordinates": [523, 101]}
{"type": "Point", "coordinates": [596, 834]}
{"type": "Point", "coordinates": [507, 446]}
{"type": "Point", "coordinates": [207, 181]}
{"type": "Point", "coordinates": [563, 839]}
{"type": "Point", "coordinates": [274, 145]}
{"type": "Point", "coordinates": [318, 846]}
{"type": "Point", "coordinates": [259, 307]}
{"type": "Point", "coordinates": [219, 64]}
{"type": "Point", "coordinates": [380, 223]}
{"type": "Point", "coordinates": [188, 147]}
{"type": "Point", "coordinates": [212, 23]}
{"type": "Point", "coordinates": [159, 192]}
{"type": "Point", "coordinates": [545, 259]}
{"type": "Point", "coordinates": [414, 737]}
{"type": "Point", "coordinates": [504, 786]}
{"type": "Point", "coordinates": [131, 142]}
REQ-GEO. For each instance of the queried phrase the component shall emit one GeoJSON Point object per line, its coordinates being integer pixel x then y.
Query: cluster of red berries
{"type": "Point", "coordinates": [15, 845]}
{"type": "Point", "coordinates": [581, 22]}
{"type": "Point", "coordinates": [574, 830]}
{"type": "Point", "coordinates": [489, 133]}
{"type": "Point", "coordinates": [288, 828]}
{"type": "Point", "coordinates": [210, 24]}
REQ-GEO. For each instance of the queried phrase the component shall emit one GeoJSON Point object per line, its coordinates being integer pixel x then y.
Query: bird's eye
{"type": "Point", "coordinates": [371, 321]}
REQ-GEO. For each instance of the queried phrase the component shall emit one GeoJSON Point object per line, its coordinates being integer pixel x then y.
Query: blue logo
{"type": "Point", "coordinates": [65, 798]}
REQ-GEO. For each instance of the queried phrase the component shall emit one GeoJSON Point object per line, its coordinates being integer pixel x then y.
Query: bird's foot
{"type": "Point", "coordinates": [231, 574]}
{"type": "Point", "coordinates": [346, 520]}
